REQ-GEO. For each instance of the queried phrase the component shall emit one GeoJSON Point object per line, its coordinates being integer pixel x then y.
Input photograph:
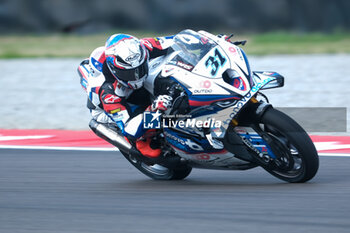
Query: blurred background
{"type": "Point", "coordinates": [43, 41]}
{"type": "Point", "coordinates": [91, 16]}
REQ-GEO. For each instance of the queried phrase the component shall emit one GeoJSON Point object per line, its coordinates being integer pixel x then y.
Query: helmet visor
{"type": "Point", "coordinates": [130, 74]}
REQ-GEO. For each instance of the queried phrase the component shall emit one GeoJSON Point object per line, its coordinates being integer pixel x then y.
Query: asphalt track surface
{"type": "Point", "coordinates": [89, 191]}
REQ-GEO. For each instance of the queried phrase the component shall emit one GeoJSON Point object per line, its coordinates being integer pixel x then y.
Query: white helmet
{"type": "Point", "coordinates": [127, 59]}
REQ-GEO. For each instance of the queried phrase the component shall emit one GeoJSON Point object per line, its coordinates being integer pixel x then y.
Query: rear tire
{"type": "Point", "coordinates": [291, 136]}
{"type": "Point", "coordinates": [158, 172]}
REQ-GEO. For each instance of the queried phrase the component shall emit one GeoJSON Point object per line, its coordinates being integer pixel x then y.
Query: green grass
{"type": "Point", "coordinates": [53, 45]}
{"type": "Point", "coordinates": [61, 45]}
{"type": "Point", "coordinates": [287, 43]}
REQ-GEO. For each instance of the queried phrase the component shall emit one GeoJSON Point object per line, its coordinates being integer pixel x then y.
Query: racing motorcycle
{"type": "Point", "coordinates": [227, 124]}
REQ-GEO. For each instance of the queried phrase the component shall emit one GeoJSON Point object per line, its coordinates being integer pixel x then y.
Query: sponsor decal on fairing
{"type": "Point", "coordinates": [248, 96]}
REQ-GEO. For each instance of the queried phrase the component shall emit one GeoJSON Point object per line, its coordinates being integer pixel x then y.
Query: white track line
{"type": "Point", "coordinates": [59, 148]}
{"type": "Point", "coordinates": [113, 149]}
{"type": "Point", "coordinates": [334, 154]}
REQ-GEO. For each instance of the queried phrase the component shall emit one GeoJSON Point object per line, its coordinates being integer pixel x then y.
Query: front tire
{"type": "Point", "coordinates": [298, 156]}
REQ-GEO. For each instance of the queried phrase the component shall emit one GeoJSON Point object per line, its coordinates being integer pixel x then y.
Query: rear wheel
{"type": "Point", "coordinates": [297, 159]}
{"type": "Point", "coordinates": [159, 172]}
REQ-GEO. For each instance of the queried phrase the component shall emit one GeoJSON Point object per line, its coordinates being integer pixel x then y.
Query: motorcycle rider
{"type": "Point", "coordinates": [113, 77]}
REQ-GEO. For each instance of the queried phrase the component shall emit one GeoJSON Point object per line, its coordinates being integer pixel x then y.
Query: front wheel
{"type": "Point", "coordinates": [159, 172]}
{"type": "Point", "coordinates": [296, 156]}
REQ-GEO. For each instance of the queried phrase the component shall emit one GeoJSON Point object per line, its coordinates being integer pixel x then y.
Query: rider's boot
{"type": "Point", "coordinates": [148, 145]}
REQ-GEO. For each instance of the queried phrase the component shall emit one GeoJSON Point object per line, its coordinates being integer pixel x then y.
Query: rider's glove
{"type": "Point", "coordinates": [162, 103]}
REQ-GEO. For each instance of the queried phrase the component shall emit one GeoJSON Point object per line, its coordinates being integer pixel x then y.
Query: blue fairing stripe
{"type": "Point", "coordinates": [246, 61]}
{"type": "Point", "coordinates": [211, 97]}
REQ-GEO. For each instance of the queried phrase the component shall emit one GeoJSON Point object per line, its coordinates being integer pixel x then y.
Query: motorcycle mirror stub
{"type": "Point", "coordinates": [277, 82]}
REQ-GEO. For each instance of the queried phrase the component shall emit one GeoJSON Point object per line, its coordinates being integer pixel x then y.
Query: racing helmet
{"type": "Point", "coordinates": [127, 59]}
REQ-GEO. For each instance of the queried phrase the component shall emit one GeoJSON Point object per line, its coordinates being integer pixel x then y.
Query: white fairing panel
{"type": "Point", "coordinates": [201, 70]}
{"type": "Point", "coordinates": [233, 52]}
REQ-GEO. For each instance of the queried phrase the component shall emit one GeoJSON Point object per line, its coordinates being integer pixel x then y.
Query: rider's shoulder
{"type": "Point", "coordinates": [97, 58]}
{"type": "Point", "coordinates": [160, 43]}
{"type": "Point", "coordinates": [90, 69]}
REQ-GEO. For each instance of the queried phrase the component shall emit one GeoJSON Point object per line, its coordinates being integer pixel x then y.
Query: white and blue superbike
{"type": "Point", "coordinates": [226, 124]}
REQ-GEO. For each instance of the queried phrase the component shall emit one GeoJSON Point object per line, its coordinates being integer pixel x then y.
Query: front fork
{"type": "Point", "coordinates": [261, 145]}
{"type": "Point", "coordinates": [275, 153]}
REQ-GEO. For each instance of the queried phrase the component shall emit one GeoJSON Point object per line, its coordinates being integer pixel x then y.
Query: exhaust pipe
{"type": "Point", "coordinates": [119, 141]}
{"type": "Point", "coordinates": [110, 136]}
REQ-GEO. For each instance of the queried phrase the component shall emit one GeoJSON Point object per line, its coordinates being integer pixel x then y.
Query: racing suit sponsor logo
{"type": "Point", "coordinates": [115, 110]}
{"type": "Point", "coordinates": [110, 99]}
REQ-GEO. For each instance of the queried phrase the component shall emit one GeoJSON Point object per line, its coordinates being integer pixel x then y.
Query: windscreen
{"type": "Point", "coordinates": [190, 47]}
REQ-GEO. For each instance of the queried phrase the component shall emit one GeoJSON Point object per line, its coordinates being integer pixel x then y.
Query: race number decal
{"type": "Point", "coordinates": [215, 62]}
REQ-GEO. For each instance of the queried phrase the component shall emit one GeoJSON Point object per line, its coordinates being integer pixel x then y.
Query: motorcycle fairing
{"type": "Point", "coordinates": [225, 116]}
{"type": "Point", "coordinates": [199, 152]}
{"type": "Point", "coordinates": [188, 143]}
{"type": "Point", "coordinates": [211, 97]}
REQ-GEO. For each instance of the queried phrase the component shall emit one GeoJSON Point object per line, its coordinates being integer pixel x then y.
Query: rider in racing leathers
{"type": "Point", "coordinates": [113, 78]}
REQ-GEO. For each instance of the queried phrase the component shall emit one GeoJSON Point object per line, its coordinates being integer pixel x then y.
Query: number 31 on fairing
{"type": "Point", "coordinates": [215, 62]}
